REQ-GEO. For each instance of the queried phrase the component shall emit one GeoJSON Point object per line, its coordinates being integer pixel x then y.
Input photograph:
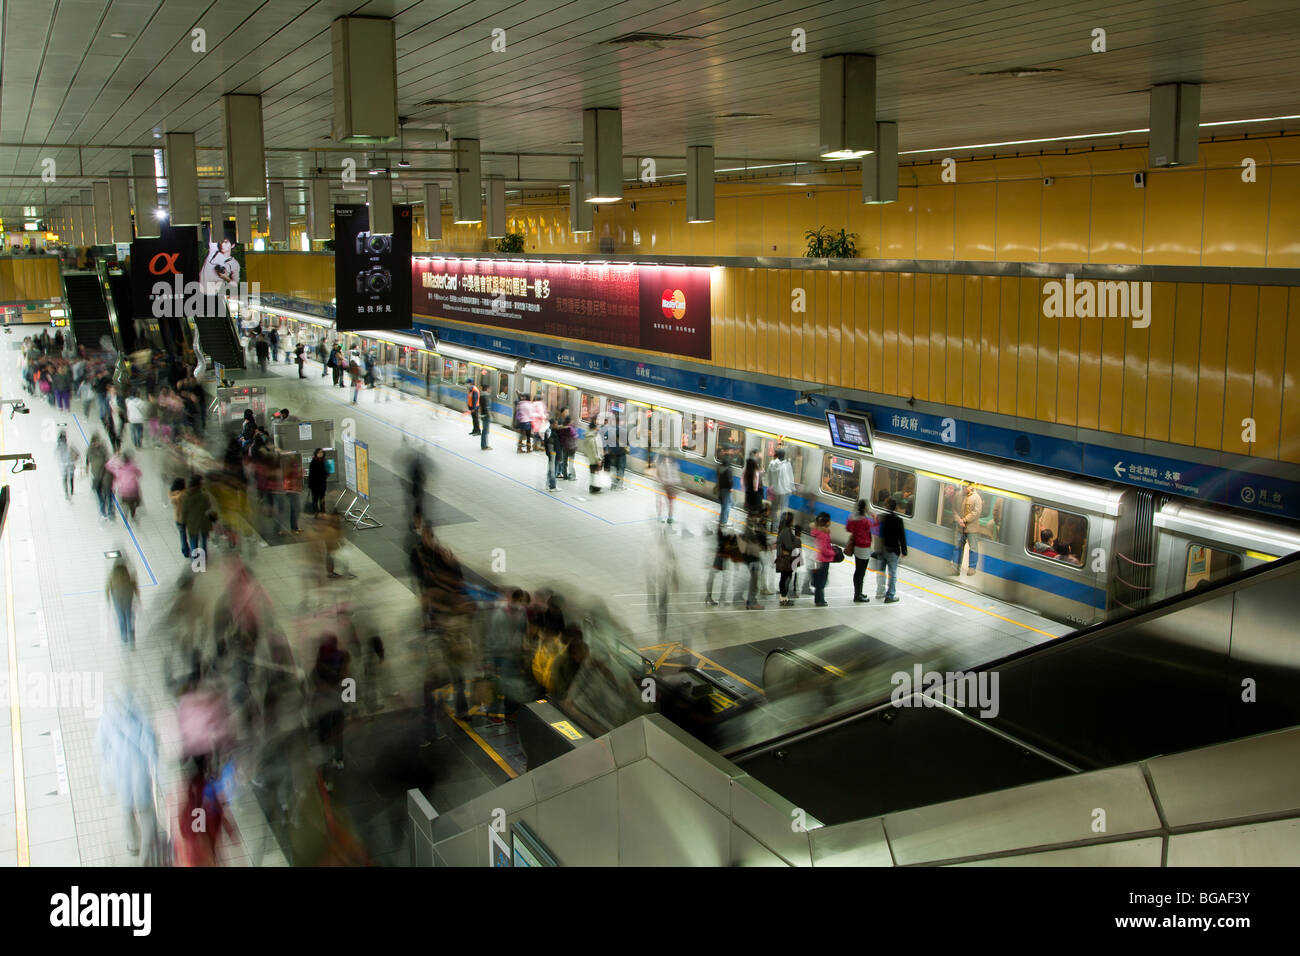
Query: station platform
{"type": "Point", "coordinates": [490, 507]}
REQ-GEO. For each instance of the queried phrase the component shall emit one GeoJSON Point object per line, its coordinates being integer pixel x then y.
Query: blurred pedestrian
{"type": "Point", "coordinates": [123, 593]}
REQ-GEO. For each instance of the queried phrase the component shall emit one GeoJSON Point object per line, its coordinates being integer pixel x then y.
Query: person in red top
{"type": "Point", "coordinates": [860, 532]}
{"type": "Point", "coordinates": [821, 532]}
{"type": "Point", "coordinates": [472, 398]}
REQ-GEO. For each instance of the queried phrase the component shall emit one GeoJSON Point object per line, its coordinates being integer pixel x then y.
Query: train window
{"type": "Point", "coordinates": [894, 483]}
{"type": "Point", "coordinates": [730, 448]}
{"type": "Point", "coordinates": [556, 399]}
{"type": "Point", "coordinates": [1058, 535]}
{"type": "Point", "coordinates": [793, 454]}
{"type": "Point", "coordinates": [841, 476]}
{"type": "Point", "coordinates": [448, 370]}
{"type": "Point", "coordinates": [589, 405]}
{"type": "Point", "coordinates": [991, 507]}
{"type": "Point", "coordinates": [694, 434]}
{"type": "Point", "coordinates": [1205, 566]}
{"type": "Point", "coordinates": [503, 385]}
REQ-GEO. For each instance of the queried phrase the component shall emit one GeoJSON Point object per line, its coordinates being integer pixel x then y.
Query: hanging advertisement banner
{"type": "Point", "coordinates": [660, 308]}
{"type": "Point", "coordinates": [372, 273]}
{"type": "Point", "coordinates": [160, 270]}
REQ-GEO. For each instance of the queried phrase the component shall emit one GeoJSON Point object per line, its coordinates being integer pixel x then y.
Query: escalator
{"type": "Point", "coordinates": [120, 304]}
{"type": "Point", "coordinates": [88, 312]}
{"type": "Point", "coordinates": [1202, 668]}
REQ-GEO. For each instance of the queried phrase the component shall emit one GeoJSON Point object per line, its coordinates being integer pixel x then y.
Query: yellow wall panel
{"type": "Point", "coordinates": [834, 306]}
{"type": "Point", "coordinates": [1019, 220]}
{"type": "Point", "coordinates": [921, 336]}
{"type": "Point", "coordinates": [934, 222]}
{"type": "Point", "coordinates": [1027, 348]}
{"type": "Point", "coordinates": [865, 221]}
{"type": "Point", "coordinates": [1290, 433]}
{"type": "Point", "coordinates": [970, 341]}
{"type": "Point", "coordinates": [976, 220]}
{"type": "Point", "coordinates": [1089, 414]}
{"type": "Point", "coordinates": [888, 347]}
{"type": "Point", "coordinates": [876, 330]}
{"type": "Point", "coordinates": [1067, 368]}
{"type": "Point", "coordinates": [1160, 355]}
{"type": "Point", "coordinates": [861, 328]}
{"type": "Point", "coordinates": [1236, 218]}
{"type": "Point", "coordinates": [1213, 365]}
{"type": "Point", "coordinates": [990, 303]}
{"type": "Point", "coordinates": [898, 334]}
{"type": "Point", "coordinates": [1284, 218]}
{"type": "Point", "coordinates": [750, 327]}
{"type": "Point", "coordinates": [898, 226]}
{"type": "Point", "coordinates": [728, 355]}
{"type": "Point", "coordinates": [1065, 205]}
{"type": "Point", "coordinates": [1270, 365]}
{"type": "Point", "coordinates": [1187, 365]}
{"type": "Point", "coordinates": [777, 215]}
{"type": "Point", "coordinates": [1174, 208]}
{"type": "Point", "coordinates": [939, 289]}
{"type": "Point", "coordinates": [781, 315]}
{"type": "Point", "coordinates": [832, 209]}
{"type": "Point", "coordinates": [1110, 412]}
{"type": "Point", "coordinates": [1049, 333]}
{"type": "Point", "coordinates": [952, 371]}
{"type": "Point", "coordinates": [848, 331]}
{"type": "Point", "coordinates": [818, 314]}
{"type": "Point", "coordinates": [1116, 233]}
{"type": "Point", "coordinates": [1008, 345]}
{"type": "Point", "coordinates": [1239, 373]}
{"type": "Point", "coordinates": [800, 278]}
{"type": "Point", "coordinates": [775, 320]}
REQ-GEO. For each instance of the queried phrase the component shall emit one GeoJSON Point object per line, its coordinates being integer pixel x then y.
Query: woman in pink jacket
{"type": "Point", "coordinates": [821, 532]}
{"type": "Point", "coordinates": [126, 480]}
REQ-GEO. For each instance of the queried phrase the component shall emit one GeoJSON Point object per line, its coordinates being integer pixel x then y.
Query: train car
{"type": "Point", "coordinates": [1113, 547]}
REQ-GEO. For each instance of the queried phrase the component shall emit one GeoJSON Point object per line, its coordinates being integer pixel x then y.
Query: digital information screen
{"type": "Point", "coordinates": [850, 431]}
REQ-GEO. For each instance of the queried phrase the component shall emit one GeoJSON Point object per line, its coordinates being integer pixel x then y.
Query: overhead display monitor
{"type": "Point", "coordinates": [529, 851]}
{"type": "Point", "coordinates": [850, 431]}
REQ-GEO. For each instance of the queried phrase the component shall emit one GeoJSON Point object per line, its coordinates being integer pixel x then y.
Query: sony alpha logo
{"type": "Point", "coordinates": [673, 302]}
{"type": "Point", "coordinates": [164, 263]}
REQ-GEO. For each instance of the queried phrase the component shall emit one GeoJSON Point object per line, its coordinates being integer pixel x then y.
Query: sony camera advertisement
{"type": "Point", "coordinates": [372, 272]}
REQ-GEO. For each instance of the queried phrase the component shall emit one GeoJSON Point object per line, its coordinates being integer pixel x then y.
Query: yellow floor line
{"type": "Point", "coordinates": [15, 715]}
{"type": "Point", "coordinates": [696, 654]}
{"type": "Point", "coordinates": [1028, 627]}
{"type": "Point", "coordinates": [486, 747]}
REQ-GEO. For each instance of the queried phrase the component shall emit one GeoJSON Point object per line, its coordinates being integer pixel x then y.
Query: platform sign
{"type": "Point", "coordinates": [233, 402]}
{"type": "Point", "coordinates": [850, 431]}
{"type": "Point", "coordinates": [350, 465]}
{"type": "Point", "coordinates": [361, 455]}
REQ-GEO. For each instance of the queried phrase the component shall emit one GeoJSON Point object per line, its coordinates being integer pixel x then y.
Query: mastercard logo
{"type": "Point", "coordinates": [673, 302]}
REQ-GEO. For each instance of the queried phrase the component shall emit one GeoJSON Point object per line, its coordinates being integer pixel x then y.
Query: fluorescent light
{"type": "Point", "coordinates": [596, 199]}
{"type": "Point", "coordinates": [847, 153]}
{"type": "Point", "coordinates": [467, 222]}
{"type": "Point", "coordinates": [161, 214]}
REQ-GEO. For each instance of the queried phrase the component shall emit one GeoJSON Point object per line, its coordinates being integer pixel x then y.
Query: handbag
{"type": "Point", "coordinates": [838, 552]}
{"type": "Point", "coordinates": [784, 563]}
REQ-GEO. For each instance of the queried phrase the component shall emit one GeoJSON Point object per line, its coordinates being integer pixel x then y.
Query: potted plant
{"type": "Point", "coordinates": [824, 244]}
{"type": "Point", "coordinates": [511, 242]}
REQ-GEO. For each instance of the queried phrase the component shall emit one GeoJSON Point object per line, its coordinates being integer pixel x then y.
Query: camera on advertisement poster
{"type": "Point", "coordinates": [369, 244]}
{"type": "Point", "coordinates": [375, 281]}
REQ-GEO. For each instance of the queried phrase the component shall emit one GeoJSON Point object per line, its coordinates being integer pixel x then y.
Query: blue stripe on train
{"type": "Point", "coordinates": [1036, 578]}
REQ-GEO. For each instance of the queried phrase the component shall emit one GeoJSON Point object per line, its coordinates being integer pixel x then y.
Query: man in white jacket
{"type": "Point", "coordinates": [780, 478]}
{"type": "Point", "coordinates": [137, 413]}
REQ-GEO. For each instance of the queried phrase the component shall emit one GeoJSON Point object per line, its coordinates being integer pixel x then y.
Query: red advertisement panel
{"type": "Point", "coordinates": [663, 308]}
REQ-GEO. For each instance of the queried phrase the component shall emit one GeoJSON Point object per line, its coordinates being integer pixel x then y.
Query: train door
{"type": "Point", "coordinates": [665, 430]}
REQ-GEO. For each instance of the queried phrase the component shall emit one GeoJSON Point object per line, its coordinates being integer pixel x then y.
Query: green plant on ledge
{"type": "Point", "coordinates": [511, 242]}
{"type": "Point", "coordinates": [328, 245]}
{"type": "Point", "coordinates": [824, 244]}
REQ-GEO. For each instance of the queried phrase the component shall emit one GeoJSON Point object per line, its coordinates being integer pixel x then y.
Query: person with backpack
{"type": "Point", "coordinates": [859, 528]}
{"type": "Point", "coordinates": [894, 540]}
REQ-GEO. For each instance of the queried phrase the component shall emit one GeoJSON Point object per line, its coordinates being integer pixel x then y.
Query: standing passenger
{"type": "Point", "coordinates": [894, 539]}
{"type": "Point", "coordinates": [967, 514]}
{"type": "Point", "coordinates": [726, 482]}
{"type": "Point", "coordinates": [821, 532]}
{"type": "Point", "coordinates": [753, 484]}
{"type": "Point", "coordinates": [122, 595]}
{"type": "Point", "coordinates": [780, 478]}
{"type": "Point", "coordinates": [859, 528]}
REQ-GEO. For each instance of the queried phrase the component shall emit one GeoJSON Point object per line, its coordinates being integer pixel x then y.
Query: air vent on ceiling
{"type": "Point", "coordinates": [739, 116]}
{"type": "Point", "coordinates": [448, 104]}
{"type": "Point", "coordinates": [1021, 72]}
{"type": "Point", "coordinates": [655, 40]}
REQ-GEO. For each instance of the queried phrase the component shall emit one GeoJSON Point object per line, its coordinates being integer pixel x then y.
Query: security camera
{"type": "Point", "coordinates": [1048, 181]}
{"type": "Point", "coordinates": [29, 465]}
{"type": "Point", "coordinates": [1139, 180]}
{"type": "Point", "coordinates": [806, 398]}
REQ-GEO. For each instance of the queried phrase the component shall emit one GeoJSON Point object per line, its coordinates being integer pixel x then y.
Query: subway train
{"type": "Point", "coordinates": [1113, 548]}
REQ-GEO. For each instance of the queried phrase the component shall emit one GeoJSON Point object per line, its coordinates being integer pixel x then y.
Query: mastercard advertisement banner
{"type": "Point", "coordinates": [661, 308]}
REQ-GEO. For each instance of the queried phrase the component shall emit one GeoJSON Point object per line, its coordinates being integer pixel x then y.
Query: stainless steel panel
{"type": "Point", "coordinates": [1264, 624]}
{"type": "Point", "coordinates": [576, 767]}
{"type": "Point", "coordinates": [860, 843]}
{"type": "Point", "coordinates": [465, 849]}
{"type": "Point", "coordinates": [421, 850]}
{"type": "Point", "coordinates": [695, 765]}
{"type": "Point", "coordinates": [746, 851]}
{"type": "Point", "coordinates": [770, 818]}
{"type": "Point", "coordinates": [1145, 852]}
{"type": "Point", "coordinates": [513, 795]}
{"type": "Point", "coordinates": [662, 822]}
{"type": "Point", "coordinates": [1256, 844]}
{"type": "Point", "coordinates": [420, 813]}
{"type": "Point", "coordinates": [627, 742]}
{"type": "Point", "coordinates": [1244, 778]}
{"type": "Point", "coordinates": [581, 825]}
{"type": "Point", "coordinates": [1040, 814]}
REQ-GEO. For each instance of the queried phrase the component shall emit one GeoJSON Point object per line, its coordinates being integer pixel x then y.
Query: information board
{"type": "Point", "coordinates": [850, 431]}
{"type": "Point", "coordinates": [233, 402]}
{"type": "Point", "coordinates": [350, 465]}
{"type": "Point", "coordinates": [361, 455]}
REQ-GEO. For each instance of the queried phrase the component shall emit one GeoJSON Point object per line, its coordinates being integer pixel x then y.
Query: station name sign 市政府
{"type": "Point", "coordinates": [658, 308]}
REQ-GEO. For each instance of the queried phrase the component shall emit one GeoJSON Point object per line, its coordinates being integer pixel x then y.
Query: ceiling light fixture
{"type": "Point", "coordinates": [401, 156]}
{"type": "Point", "coordinates": [119, 36]}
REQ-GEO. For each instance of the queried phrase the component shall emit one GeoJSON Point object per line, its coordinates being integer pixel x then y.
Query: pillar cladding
{"type": "Point", "coordinates": [467, 183]}
{"type": "Point", "coordinates": [143, 171]}
{"type": "Point", "coordinates": [581, 213]}
{"type": "Point", "coordinates": [245, 148]}
{"type": "Point", "coordinates": [880, 169]}
{"type": "Point", "coordinates": [119, 199]}
{"type": "Point", "coordinates": [380, 193]}
{"type": "Point", "coordinates": [602, 158]}
{"type": "Point", "coordinates": [848, 106]}
{"type": "Point", "coordinates": [182, 180]}
{"type": "Point", "coordinates": [279, 212]}
{"type": "Point", "coordinates": [87, 213]}
{"type": "Point", "coordinates": [365, 80]}
{"type": "Point", "coordinates": [699, 184]}
{"type": "Point", "coordinates": [244, 224]}
{"type": "Point", "coordinates": [322, 213]}
{"type": "Point", "coordinates": [103, 213]}
{"type": "Point", "coordinates": [1175, 124]}
{"type": "Point", "coordinates": [432, 211]}
{"type": "Point", "coordinates": [496, 207]}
